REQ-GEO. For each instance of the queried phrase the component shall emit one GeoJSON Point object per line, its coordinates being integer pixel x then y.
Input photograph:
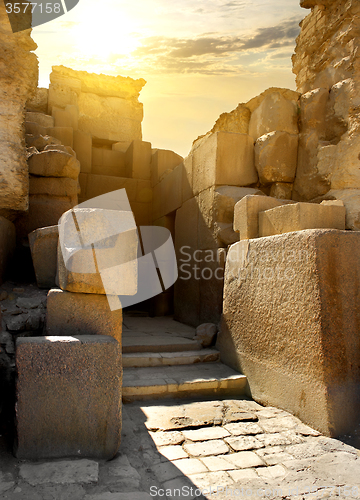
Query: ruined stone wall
{"type": "Point", "coordinates": [18, 81]}
{"type": "Point", "coordinates": [326, 64]}
{"type": "Point", "coordinates": [107, 107]}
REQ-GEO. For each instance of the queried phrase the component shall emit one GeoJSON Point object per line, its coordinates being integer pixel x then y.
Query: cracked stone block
{"type": "Point", "coordinates": [68, 397]}
{"type": "Point", "coordinates": [43, 246]}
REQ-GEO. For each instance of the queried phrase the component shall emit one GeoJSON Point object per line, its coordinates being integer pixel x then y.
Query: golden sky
{"type": "Point", "coordinates": [200, 58]}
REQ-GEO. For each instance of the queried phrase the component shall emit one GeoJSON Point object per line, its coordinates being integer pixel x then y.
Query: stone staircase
{"type": "Point", "coordinates": [164, 361]}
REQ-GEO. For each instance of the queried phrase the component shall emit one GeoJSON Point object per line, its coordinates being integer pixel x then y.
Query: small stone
{"type": "Point", "coordinates": [206, 434]}
{"type": "Point", "coordinates": [215, 464]}
{"type": "Point", "coordinates": [17, 323]}
{"type": "Point", "coordinates": [29, 302]}
{"type": "Point", "coordinates": [3, 296]}
{"type": "Point", "coordinates": [208, 448]}
{"type": "Point", "coordinates": [243, 474]}
{"type": "Point", "coordinates": [10, 347]}
{"type": "Point", "coordinates": [167, 438]}
{"type": "Point", "coordinates": [5, 337]}
{"type": "Point", "coordinates": [6, 482]}
{"type": "Point", "coordinates": [205, 334]}
{"type": "Point", "coordinates": [18, 290]}
{"type": "Point", "coordinates": [190, 466]}
{"type": "Point", "coordinates": [245, 459]}
{"type": "Point", "coordinates": [11, 296]}
{"type": "Point", "coordinates": [244, 443]}
{"type": "Point", "coordinates": [273, 472]}
{"type": "Point", "coordinates": [64, 472]}
{"type": "Point", "coordinates": [243, 428]}
{"type": "Point", "coordinates": [173, 452]}
{"type": "Point", "coordinates": [276, 439]}
{"type": "Point", "coordinates": [33, 321]}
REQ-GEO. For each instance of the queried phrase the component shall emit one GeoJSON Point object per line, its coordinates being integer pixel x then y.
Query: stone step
{"type": "Point", "coordinates": [145, 343]}
{"type": "Point", "coordinates": [147, 359]}
{"type": "Point", "coordinates": [199, 380]}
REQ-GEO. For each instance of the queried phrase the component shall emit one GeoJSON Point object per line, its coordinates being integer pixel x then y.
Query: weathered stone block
{"type": "Point", "coordinates": [142, 213]}
{"type": "Point", "coordinates": [34, 128]}
{"type": "Point", "coordinates": [351, 200]}
{"type": "Point", "coordinates": [39, 118]}
{"type": "Point", "coordinates": [53, 186]}
{"type": "Point", "coordinates": [83, 149]}
{"type": "Point", "coordinates": [61, 95]}
{"type": "Point", "coordinates": [54, 164]}
{"type": "Point", "coordinates": [7, 245]}
{"type": "Point", "coordinates": [43, 246]}
{"type": "Point", "coordinates": [108, 162]}
{"type": "Point", "coordinates": [144, 192]}
{"type": "Point", "coordinates": [302, 357]}
{"type": "Point", "coordinates": [187, 179]}
{"type": "Point", "coordinates": [84, 256]}
{"type": "Point", "coordinates": [276, 157]}
{"type": "Point", "coordinates": [223, 159]}
{"type": "Point", "coordinates": [38, 103]}
{"type": "Point", "coordinates": [281, 190]}
{"type": "Point", "coordinates": [64, 134]}
{"type": "Point", "coordinates": [246, 214]}
{"type": "Point", "coordinates": [68, 397]}
{"type": "Point", "coordinates": [161, 161]}
{"type": "Point", "coordinates": [64, 117]}
{"type": "Point", "coordinates": [102, 184]}
{"type": "Point", "coordinates": [313, 107]}
{"type": "Point", "coordinates": [300, 216]}
{"type": "Point", "coordinates": [121, 146]}
{"type": "Point", "coordinates": [274, 113]}
{"type": "Point", "coordinates": [171, 191]}
{"type": "Point", "coordinates": [43, 211]}
{"type": "Point", "coordinates": [138, 160]}
{"type": "Point", "coordinates": [70, 314]}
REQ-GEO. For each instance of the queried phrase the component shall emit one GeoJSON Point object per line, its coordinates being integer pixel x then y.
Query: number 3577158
{"type": "Point", "coordinates": [48, 8]}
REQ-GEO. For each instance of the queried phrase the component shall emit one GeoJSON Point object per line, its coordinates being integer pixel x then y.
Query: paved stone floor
{"type": "Point", "coordinates": [212, 449]}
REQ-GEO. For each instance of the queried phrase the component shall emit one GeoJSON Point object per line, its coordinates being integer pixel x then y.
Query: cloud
{"type": "Point", "coordinates": [214, 52]}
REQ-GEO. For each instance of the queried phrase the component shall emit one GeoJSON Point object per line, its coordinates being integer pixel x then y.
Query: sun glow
{"type": "Point", "coordinates": [105, 36]}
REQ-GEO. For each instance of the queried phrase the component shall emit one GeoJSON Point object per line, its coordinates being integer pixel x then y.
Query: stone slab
{"type": "Point", "coordinates": [300, 216]}
{"type": "Point", "coordinates": [311, 343]}
{"type": "Point", "coordinates": [62, 472]}
{"type": "Point", "coordinates": [43, 246]}
{"type": "Point", "coordinates": [68, 397]}
{"type": "Point", "coordinates": [54, 164]}
{"type": "Point", "coordinates": [71, 314]}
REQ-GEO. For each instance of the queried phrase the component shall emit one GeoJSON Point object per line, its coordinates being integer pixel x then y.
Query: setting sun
{"type": "Point", "coordinates": [104, 36]}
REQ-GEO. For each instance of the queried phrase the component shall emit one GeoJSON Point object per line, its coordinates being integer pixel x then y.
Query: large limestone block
{"type": "Point", "coordinates": [309, 181]}
{"type": "Point", "coordinates": [102, 184]}
{"type": "Point", "coordinates": [122, 146]}
{"type": "Point", "coordinates": [236, 122]}
{"type": "Point", "coordinates": [111, 118]}
{"type": "Point", "coordinates": [171, 191]}
{"type": "Point", "coordinates": [313, 110]}
{"type": "Point", "coordinates": [54, 164]}
{"type": "Point", "coordinates": [64, 134]}
{"type": "Point", "coordinates": [138, 160]}
{"type": "Point", "coordinates": [187, 179]}
{"type": "Point", "coordinates": [7, 245]}
{"type": "Point", "coordinates": [99, 254]}
{"type": "Point", "coordinates": [108, 162]}
{"type": "Point", "coordinates": [161, 161]}
{"type": "Point", "coordinates": [40, 142]}
{"type": "Point", "coordinates": [246, 214]}
{"type": "Point", "coordinates": [71, 314]}
{"type": "Point", "coordinates": [102, 85]}
{"type": "Point", "coordinates": [288, 94]}
{"type": "Point", "coordinates": [351, 201]}
{"type": "Point", "coordinates": [216, 218]}
{"type": "Point", "coordinates": [38, 103]}
{"type": "Point", "coordinates": [43, 246]}
{"type": "Point", "coordinates": [40, 118]}
{"type": "Point", "coordinates": [281, 190]}
{"type": "Point", "coordinates": [290, 324]}
{"type": "Point", "coordinates": [223, 159]}
{"type": "Point", "coordinates": [274, 113]}
{"type": "Point", "coordinates": [186, 290]}
{"type": "Point", "coordinates": [340, 163]}
{"type": "Point", "coordinates": [68, 117]}
{"type": "Point", "coordinates": [276, 157]}
{"type": "Point", "coordinates": [61, 95]}
{"type": "Point", "coordinates": [19, 75]}
{"type": "Point", "coordinates": [34, 128]}
{"type": "Point", "coordinates": [144, 191]}
{"type": "Point", "coordinates": [53, 186]}
{"type": "Point", "coordinates": [83, 149]}
{"type": "Point", "coordinates": [68, 397]}
{"type": "Point", "coordinates": [43, 211]}
{"type": "Point", "coordinates": [300, 216]}
{"type": "Point", "coordinates": [142, 213]}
